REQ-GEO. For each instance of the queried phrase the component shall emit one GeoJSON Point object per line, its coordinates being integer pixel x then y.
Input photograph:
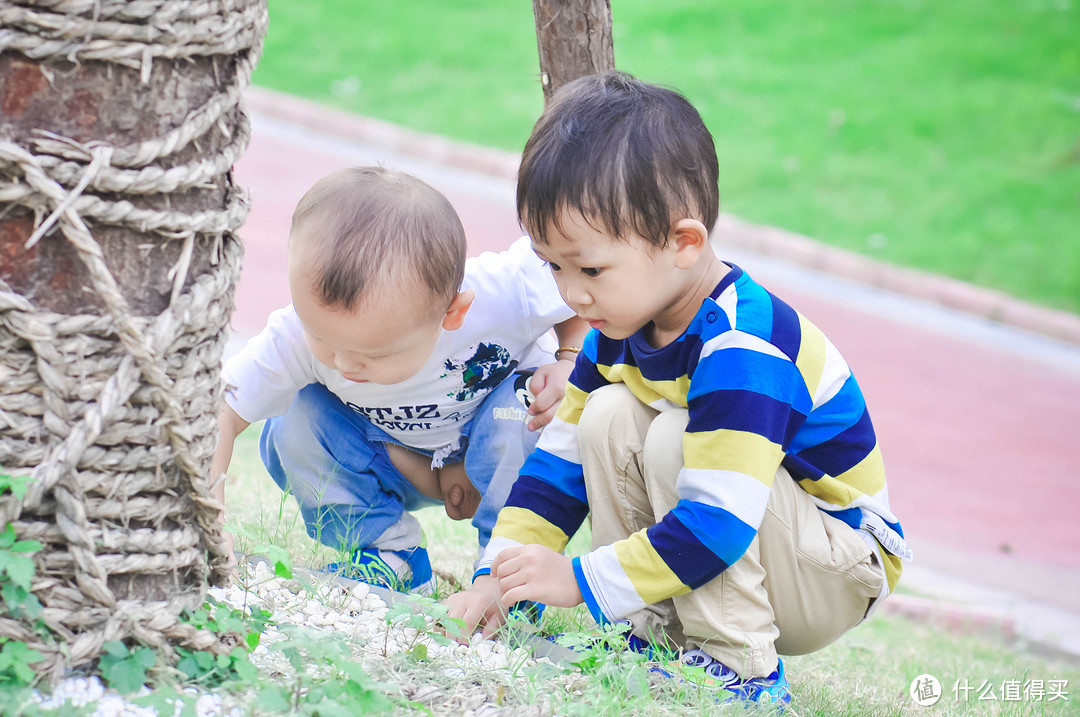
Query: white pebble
{"type": "Point", "coordinates": [263, 572]}
{"type": "Point", "coordinates": [483, 650]}
{"type": "Point", "coordinates": [111, 705]}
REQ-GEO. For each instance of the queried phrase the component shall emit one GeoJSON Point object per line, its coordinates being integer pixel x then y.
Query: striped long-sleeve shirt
{"type": "Point", "coordinates": [763, 388]}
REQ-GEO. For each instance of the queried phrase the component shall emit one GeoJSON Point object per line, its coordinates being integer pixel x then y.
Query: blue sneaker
{"type": "Point", "coordinates": [528, 610]}
{"type": "Point", "coordinates": [702, 670]}
{"type": "Point", "coordinates": [400, 570]}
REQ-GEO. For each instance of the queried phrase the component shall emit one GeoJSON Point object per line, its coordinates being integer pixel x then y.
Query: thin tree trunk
{"type": "Point", "coordinates": [574, 39]}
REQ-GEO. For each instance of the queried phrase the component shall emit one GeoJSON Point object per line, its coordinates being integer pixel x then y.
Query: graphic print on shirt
{"type": "Point", "coordinates": [481, 372]}
{"type": "Point", "coordinates": [401, 418]}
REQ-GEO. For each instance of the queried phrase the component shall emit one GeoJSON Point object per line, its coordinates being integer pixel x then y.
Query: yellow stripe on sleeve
{"type": "Point", "coordinates": [646, 390]}
{"type": "Point", "coordinates": [811, 358]}
{"type": "Point", "coordinates": [527, 527]}
{"type": "Point", "coordinates": [648, 573]}
{"type": "Point", "coordinates": [893, 567]}
{"type": "Point", "coordinates": [866, 478]}
{"type": "Point", "coordinates": [572, 404]}
{"type": "Point", "coordinates": [830, 490]}
{"type": "Point", "coordinates": [739, 451]}
{"type": "Point", "coordinates": [868, 475]}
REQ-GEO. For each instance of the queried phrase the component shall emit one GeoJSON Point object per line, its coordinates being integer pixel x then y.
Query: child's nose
{"type": "Point", "coordinates": [579, 297]}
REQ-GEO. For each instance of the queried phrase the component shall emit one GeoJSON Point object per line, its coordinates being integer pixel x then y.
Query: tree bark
{"type": "Point", "coordinates": [102, 102]}
{"type": "Point", "coordinates": [574, 39]}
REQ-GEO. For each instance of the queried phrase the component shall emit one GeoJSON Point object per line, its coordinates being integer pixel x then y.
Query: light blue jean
{"type": "Point", "coordinates": [334, 461]}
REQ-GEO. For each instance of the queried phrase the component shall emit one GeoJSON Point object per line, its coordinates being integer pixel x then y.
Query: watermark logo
{"type": "Point", "coordinates": [925, 690]}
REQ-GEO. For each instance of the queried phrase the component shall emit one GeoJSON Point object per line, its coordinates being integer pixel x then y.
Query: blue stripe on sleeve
{"type": "Point", "coordinates": [587, 593]}
{"type": "Point", "coordinates": [738, 368]}
{"type": "Point", "coordinates": [801, 469]}
{"type": "Point", "coordinates": [786, 330]}
{"type": "Point", "coordinates": [851, 516]}
{"type": "Point", "coordinates": [744, 411]}
{"type": "Point", "coordinates": [845, 450]}
{"type": "Point", "coordinates": [562, 511]}
{"type": "Point", "coordinates": [682, 551]}
{"type": "Point", "coordinates": [586, 376]}
{"type": "Point", "coordinates": [832, 418]}
{"type": "Point", "coordinates": [717, 529]}
{"type": "Point", "coordinates": [753, 312]}
{"type": "Point", "coordinates": [563, 475]}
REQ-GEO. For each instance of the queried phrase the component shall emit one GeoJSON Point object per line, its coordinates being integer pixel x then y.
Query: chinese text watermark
{"type": "Point", "coordinates": [926, 690]}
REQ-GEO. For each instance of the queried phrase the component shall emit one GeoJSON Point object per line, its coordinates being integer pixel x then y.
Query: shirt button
{"type": "Point", "coordinates": [711, 317]}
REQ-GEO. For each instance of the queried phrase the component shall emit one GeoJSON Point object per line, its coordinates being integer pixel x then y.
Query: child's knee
{"type": "Point", "coordinates": [604, 407]}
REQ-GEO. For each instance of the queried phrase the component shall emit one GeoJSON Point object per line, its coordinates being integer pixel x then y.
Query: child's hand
{"type": "Point", "coordinates": [477, 607]}
{"type": "Point", "coordinates": [548, 384]}
{"type": "Point", "coordinates": [534, 572]}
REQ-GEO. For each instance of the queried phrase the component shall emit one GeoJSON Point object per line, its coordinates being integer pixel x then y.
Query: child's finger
{"type": "Point", "coordinates": [537, 383]}
{"type": "Point", "coordinates": [516, 594]}
{"type": "Point", "coordinates": [501, 558]}
{"type": "Point", "coordinates": [541, 419]}
{"type": "Point", "coordinates": [490, 628]}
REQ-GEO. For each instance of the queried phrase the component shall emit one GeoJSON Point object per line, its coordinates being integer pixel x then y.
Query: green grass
{"type": "Point", "coordinates": [867, 672]}
{"type": "Point", "coordinates": [942, 136]}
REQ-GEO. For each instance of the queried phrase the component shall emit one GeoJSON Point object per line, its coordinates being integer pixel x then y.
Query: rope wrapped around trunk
{"type": "Point", "coordinates": [109, 391]}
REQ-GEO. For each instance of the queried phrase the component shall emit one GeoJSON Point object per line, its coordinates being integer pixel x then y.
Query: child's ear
{"type": "Point", "coordinates": [455, 315]}
{"type": "Point", "coordinates": [690, 239]}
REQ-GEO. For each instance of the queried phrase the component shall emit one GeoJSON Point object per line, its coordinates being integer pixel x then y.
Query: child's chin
{"type": "Point", "coordinates": [614, 333]}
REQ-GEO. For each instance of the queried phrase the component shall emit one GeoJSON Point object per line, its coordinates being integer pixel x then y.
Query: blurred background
{"type": "Point", "coordinates": [939, 136]}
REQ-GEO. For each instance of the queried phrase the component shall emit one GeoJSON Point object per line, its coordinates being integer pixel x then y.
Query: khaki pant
{"type": "Point", "coordinates": [806, 579]}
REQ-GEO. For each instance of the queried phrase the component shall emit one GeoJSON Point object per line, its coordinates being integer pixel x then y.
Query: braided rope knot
{"type": "Point", "coordinates": [111, 412]}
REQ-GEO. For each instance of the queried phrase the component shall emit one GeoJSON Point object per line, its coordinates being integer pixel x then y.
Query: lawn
{"type": "Point", "coordinates": [942, 136]}
{"type": "Point", "coordinates": [868, 672]}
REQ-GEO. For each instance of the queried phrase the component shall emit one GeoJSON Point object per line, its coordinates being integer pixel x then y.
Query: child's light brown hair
{"type": "Point", "coordinates": [374, 224]}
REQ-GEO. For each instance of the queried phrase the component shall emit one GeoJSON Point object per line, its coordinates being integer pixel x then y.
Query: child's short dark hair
{"type": "Point", "coordinates": [625, 154]}
{"type": "Point", "coordinates": [371, 223]}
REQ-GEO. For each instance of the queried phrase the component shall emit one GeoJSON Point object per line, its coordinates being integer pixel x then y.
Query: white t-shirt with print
{"type": "Point", "coordinates": [516, 304]}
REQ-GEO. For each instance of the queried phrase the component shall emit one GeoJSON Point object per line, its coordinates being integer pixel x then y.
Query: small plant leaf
{"type": "Point", "coordinates": [273, 699]}
{"type": "Point", "coordinates": [123, 669]}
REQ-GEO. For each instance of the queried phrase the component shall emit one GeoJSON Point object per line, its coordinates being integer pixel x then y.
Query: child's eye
{"type": "Point", "coordinates": [553, 265]}
{"type": "Point", "coordinates": [589, 271]}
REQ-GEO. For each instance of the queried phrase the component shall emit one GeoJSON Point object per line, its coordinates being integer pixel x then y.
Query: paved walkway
{"type": "Point", "coordinates": [976, 420]}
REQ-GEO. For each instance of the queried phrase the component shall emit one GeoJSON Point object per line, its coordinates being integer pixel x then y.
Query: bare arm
{"type": "Point", "coordinates": [230, 425]}
{"type": "Point", "coordinates": [549, 382]}
{"type": "Point", "coordinates": [571, 332]}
